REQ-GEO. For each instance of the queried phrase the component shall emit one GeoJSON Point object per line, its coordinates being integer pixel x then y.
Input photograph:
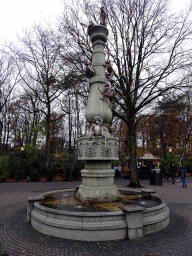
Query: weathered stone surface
{"type": "Point", "coordinates": [95, 149]}
{"type": "Point", "coordinates": [132, 222]}
{"type": "Point", "coordinates": [96, 106]}
{"type": "Point", "coordinates": [98, 182]}
{"type": "Point", "coordinates": [30, 205]}
{"type": "Point", "coordinates": [98, 151]}
{"type": "Point", "coordinates": [147, 192]}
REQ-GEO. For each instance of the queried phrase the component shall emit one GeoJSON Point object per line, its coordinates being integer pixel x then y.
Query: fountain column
{"type": "Point", "coordinates": [98, 151]}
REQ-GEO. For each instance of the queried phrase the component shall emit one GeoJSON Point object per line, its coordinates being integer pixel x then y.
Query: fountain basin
{"type": "Point", "coordinates": [131, 221]}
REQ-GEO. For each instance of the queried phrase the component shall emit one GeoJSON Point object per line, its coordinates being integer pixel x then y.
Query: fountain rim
{"type": "Point", "coordinates": [120, 212]}
{"type": "Point", "coordinates": [130, 222]}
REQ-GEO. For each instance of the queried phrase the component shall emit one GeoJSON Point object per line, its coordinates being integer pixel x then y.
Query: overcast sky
{"type": "Point", "coordinates": [18, 14]}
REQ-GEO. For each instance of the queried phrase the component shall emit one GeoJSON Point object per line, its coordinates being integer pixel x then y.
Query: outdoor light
{"type": "Point", "coordinates": [170, 151]}
{"type": "Point", "coordinates": [22, 148]}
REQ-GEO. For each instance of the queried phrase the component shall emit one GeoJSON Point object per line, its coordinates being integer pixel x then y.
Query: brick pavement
{"type": "Point", "coordinates": [19, 238]}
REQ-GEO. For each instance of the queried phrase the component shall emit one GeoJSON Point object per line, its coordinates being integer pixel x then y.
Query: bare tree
{"type": "Point", "coordinates": [32, 107]}
{"type": "Point", "coordinates": [8, 81]}
{"type": "Point", "coordinates": [148, 45]}
{"type": "Point", "coordinates": [185, 125]}
{"type": "Point", "coordinates": [174, 123]}
{"type": "Point", "coordinates": [38, 60]}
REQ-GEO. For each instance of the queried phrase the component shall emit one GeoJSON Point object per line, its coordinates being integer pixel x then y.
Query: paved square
{"type": "Point", "coordinates": [17, 237]}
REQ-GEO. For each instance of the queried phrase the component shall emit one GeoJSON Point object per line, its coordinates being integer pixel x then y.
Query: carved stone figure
{"type": "Point", "coordinates": [89, 27]}
{"type": "Point", "coordinates": [96, 126]}
{"type": "Point", "coordinates": [103, 17]}
{"type": "Point", "coordinates": [108, 92]}
{"type": "Point", "coordinates": [110, 69]}
{"type": "Point", "coordinates": [90, 72]}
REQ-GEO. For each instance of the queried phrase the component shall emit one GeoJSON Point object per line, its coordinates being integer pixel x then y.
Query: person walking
{"type": "Point", "coordinates": [119, 171]}
{"type": "Point", "coordinates": [176, 177]}
{"type": "Point", "coordinates": [182, 174]}
{"type": "Point", "coordinates": [116, 171]}
{"type": "Point", "coordinates": [173, 173]}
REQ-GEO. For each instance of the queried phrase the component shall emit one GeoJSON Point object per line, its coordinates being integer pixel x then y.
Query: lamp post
{"type": "Point", "coordinates": [22, 149]}
{"type": "Point", "coordinates": [170, 151]}
{"type": "Point", "coordinates": [172, 169]}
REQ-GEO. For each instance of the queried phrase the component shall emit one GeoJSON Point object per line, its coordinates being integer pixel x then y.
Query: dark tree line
{"type": "Point", "coordinates": [47, 93]}
{"type": "Point", "coordinates": [169, 126]}
{"type": "Point", "coordinates": [148, 46]}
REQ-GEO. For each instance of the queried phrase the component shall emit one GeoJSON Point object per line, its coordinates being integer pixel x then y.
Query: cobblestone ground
{"type": "Point", "coordinates": [18, 237]}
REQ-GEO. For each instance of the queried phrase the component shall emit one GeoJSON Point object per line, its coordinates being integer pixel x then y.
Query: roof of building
{"type": "Point", "coordinates": [148, 156]}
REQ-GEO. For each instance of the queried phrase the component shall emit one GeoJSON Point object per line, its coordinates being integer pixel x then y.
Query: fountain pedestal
{"type": "Point", "coordinates": [98, 182]}
{"type": "Point", "coordinates": [98, 151]}
{"type": "Point", "coordinates": [98, 176]}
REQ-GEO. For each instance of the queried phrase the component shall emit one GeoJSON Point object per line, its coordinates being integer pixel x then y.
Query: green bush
{"type": "Point", "coordinates": [34, 174]}
{"type": "Point", "coordinates": [49, 173]}
{"type": "Point", "coordinates": [116, 162]}
{"type": "Point", "coordinates": [76, 167]}
{"type": "Point", "coordinates": [187, 165]}
{"type": "Point", "coordinates": [68, 171]}
{"type": "Point", "coordinates": [67, 165]}
{"type": "Point", "coordinates": [35, 168]}
{"type": "Point", "coordinates": [4, 167]}
{"type": "Point", "coordinates": [165, 164]}
{"type": "Point", "coordinates": [18, 164]}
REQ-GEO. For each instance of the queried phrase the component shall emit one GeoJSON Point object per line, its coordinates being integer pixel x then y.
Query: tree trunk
{"type": "Point", "coordinates": [7, 137]}
{"type": "Point", "coordinates": [163, 143]}
{"type": "Point", "coordinates": [1, 131]}
{"type": "Point", "coordinates": [183, 153]}
{"type": "Point", "coordinates": [35, 133]}
{"type": "Point", "coordinates": [77, 111]}
{"type": "Point", "coordinates": [134, 181]}
{"type": "Point", "coordinates": [147, 141]}
{"type": "Point", "coordinates": [69, 124]}
{"type": "Point", "coordinates": [127, 143]}
{"type": "Point", "coordinates": [48, 137]}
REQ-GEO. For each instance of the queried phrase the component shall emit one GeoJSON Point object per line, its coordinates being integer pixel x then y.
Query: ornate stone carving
{"type": "Point", "coordinates": [116, 149]}
{"type": "Point", "coordinates": [106, 150]}
{"type": "Point", "coordinates": [90, 149]}
{"type": "Point", "coordinates": [97, 148]}
{"type": "Point", "coordinates": [80, 149]}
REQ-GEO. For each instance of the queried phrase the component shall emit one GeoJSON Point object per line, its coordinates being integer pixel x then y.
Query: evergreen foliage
{"type": "Point", "coordinates": [165, 164]}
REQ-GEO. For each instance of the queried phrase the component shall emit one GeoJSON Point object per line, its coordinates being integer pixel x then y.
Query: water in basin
{"type": "Point", "coordinates": [68, 202]}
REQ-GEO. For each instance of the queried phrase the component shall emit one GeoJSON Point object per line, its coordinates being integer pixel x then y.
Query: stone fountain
{"type": "Point", "coordinates": [98, 151]}
{"type": "Point", "coordinates": [98, 148]}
